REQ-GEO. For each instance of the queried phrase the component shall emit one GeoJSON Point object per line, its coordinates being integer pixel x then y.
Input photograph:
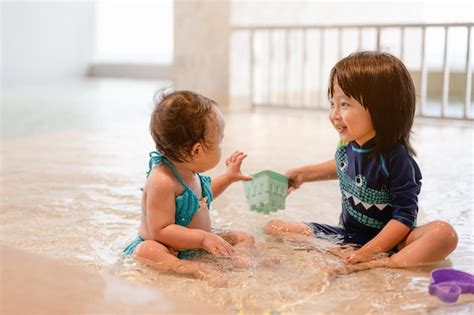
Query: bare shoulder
{"type": "Point", "coordinates": [162, 179]}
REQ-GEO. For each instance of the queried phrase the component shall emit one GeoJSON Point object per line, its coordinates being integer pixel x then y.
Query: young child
{"type": "Point", "coordinates": [187, 129]}
{"type": "Point", "coordinates": [372, 99]}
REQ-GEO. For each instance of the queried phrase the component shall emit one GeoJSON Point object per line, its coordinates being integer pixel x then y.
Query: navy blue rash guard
{"type": "Point", "coordinates": [374, 190]}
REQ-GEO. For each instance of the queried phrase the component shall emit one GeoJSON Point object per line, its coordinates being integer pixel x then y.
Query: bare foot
{"type": "Point", "coordinates": [204, 272]}
{"type": "Point", "coordinates": [214, 277]}
{"type": "Point", "coordinates": [269, 262]}
{"type": "Point", "coordinates": [246, 262]}
{"type": "Point", "coordinates": [349, 268]}
{"type": "Point", "coordinates": [341, 251]}
{"type": "Point", "coordinates": [335, 271]}
{"type": "Point", "coordinates": [243, 262]}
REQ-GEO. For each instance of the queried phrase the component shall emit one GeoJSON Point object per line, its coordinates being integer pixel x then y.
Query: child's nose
{"type": "Point", "coordinates": [334, 113]}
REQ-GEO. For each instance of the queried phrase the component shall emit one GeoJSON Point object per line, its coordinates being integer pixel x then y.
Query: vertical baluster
{"type": "Point", "coordinates": [378, 31]}
{"type": "Point", "coordinates": [321, 69]}
{"type": "Point", "coordinates": [467, 102]}
{"type": "Point", "coordinates": [339, 43]}
{"type": "Point", "coordinates": [402, 43]}
{"type": "Point", "coordinates": [270, 64]}
{"type": "Point", "coordinates": [445, 95]}
{"type": "Point", "coordinates": [287, 66]}
{"type": "Point", "coordinates": [252, 65]}
{"type": "Point", "coordinates": [303, 65]}
{"type": "Point", "coordinates": [424, 73]}
{"type": "Point", "coordinates": [359, 38]}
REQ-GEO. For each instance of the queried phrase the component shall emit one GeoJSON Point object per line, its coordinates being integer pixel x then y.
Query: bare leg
{"type": "Point", "coordinates": [284, 228]}
{"type": "Point", "coordinates": [424, 245]}
{"type": "Point", "coordinates": [159, 256]}
{"type": "Point", "coordinates": [299, 233]}
{"type": "Point", "coordinates": [243, 244]}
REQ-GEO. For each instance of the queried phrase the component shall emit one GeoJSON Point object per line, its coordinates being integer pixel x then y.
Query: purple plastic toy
{"type": "Point", "coordinates": [447, 284]}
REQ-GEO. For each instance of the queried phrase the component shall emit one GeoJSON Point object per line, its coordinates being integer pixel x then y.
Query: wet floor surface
{"type": "Point", "coordinates": [74, 158]}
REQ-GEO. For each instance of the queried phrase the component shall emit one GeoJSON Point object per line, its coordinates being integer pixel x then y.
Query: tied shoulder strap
{"type": "Point", "coordinates": [158, 158]}
{"type": "Point", "coordinates": [155, 158]}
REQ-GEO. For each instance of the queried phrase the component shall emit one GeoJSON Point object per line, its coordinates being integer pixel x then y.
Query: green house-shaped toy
{"type": "Point", "coordinates": [266, 192]}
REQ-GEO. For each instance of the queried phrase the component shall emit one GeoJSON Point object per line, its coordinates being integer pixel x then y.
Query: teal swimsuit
{"type": "Point", "coordinates": [187, 203]}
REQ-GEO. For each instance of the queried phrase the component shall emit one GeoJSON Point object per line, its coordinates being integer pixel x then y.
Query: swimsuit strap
{"type": "Point", "coordinates": [158, 158]}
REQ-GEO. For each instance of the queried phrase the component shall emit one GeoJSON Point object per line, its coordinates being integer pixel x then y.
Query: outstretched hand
{"type": "Point", "coordinates": [295, 179]}
{"type": "Point", "coordinates": [233, 164]}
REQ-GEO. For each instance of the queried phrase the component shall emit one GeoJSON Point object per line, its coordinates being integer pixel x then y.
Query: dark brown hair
{"type": "Point", "coordinates": [180, 120]}
{"type": "Point", "coordinates": [382, 84]}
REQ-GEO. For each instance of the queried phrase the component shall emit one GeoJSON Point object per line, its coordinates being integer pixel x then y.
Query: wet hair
{"type": "Point", "coordinates": [180, 120]}
{"type": "Point", "coordinates": [382, 84]}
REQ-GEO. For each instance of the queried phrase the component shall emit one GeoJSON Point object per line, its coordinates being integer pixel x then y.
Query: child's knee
{"type": "Point", "coordinates": [149, 250]}
{"type": "Point", "coordinates": [245, 237]}
{"type": "Point", "coordinates": [273, 227]}
{"type": "Point", "coordinates": [445, 234]}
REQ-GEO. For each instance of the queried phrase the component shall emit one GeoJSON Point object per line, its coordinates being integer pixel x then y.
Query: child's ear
{"type": "Point", "coordinates": [196, 150]}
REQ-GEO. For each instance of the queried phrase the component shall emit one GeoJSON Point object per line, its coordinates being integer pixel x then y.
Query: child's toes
{"type": "Point", "coordinates": [269, 262]}
{"type": "Point", "coordinates": [243, 262]}
{"type": "Point", "coordinates": [214, 277]}
{"type": "Point", "coordinates": [338, 270]}
{"type": "Point", "coordinates": [219, 281]}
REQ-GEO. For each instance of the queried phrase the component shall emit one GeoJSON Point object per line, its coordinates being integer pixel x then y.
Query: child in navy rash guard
{"type": "Point", "coordinates": [372, 100]}
{"type": "Point", "coordinates": [375, 190]}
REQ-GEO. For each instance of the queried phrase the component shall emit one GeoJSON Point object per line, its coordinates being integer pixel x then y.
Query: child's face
{"type": "Point", "coordinates": [209, 157]}
{"type": "Point", "coordinates": [351, 120]}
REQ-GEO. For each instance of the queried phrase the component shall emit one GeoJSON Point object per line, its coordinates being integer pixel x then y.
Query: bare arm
{"type": "Point", "coordinates": [160, 215]}
{"type": "Point", "coordinates": [389, 237]}
{"type": "Point", "coordinates": [219, 184]}
{"type": "Point", "coordinates": [310, 173]}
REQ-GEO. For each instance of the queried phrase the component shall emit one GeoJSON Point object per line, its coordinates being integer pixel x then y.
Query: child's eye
{"type": "Point", "coordinates": [343, 104]}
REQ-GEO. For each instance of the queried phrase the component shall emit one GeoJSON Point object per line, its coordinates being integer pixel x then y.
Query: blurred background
{"type": "Point", "coordinates": [77, 86]}
{"type": "Point", "coordinates": [239, 52]}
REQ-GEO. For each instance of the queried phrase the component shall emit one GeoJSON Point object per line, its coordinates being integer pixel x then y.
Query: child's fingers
{"type": "Point", "coordinates": [232, 156]}
{"type": "Point", "coordinates": [225, 249]}
{"type": "Point", "coordinates": [238, 154]}
{"type": "Point", "coordinates": [246, 177]}
{"type": "Point", "coordinates": [241, 157]}
{"type": "Point", "coordinates": [235, 156]}
{"type": "Point", "coordinates": [214, 251]}
{"type": "Point", "coordinates": [229, 249]}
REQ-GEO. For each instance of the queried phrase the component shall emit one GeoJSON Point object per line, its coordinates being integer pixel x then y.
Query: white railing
{"type": "Point", "coordinates": [274, 56]}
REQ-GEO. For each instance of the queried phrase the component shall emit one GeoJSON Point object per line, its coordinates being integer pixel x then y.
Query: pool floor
{"type": "Point", "coordinates": [74, 158]}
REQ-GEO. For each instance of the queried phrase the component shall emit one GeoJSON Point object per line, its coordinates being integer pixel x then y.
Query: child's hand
{"type": "Point", "coordinates": [295, 179]}
{"type": "Point", "coordinates": [216, 245]}
{"type": "Point", "coordinates": [357, 256]}
{"type": "Point", "coordinates": [233, 164]}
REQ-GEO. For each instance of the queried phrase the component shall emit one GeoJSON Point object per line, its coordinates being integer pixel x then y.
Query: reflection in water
{"type": "Point", "coordinates": [71, 189]}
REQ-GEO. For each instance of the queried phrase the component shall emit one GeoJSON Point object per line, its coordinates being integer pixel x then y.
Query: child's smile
{"type": "Point", "coordinates": [341, 129]}
{"type": "Point", "coordinates": [350, 119]}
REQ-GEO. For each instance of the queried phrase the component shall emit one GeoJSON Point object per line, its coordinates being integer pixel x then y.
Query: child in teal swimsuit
{"type": "Point", "coordinates": [187, 129]}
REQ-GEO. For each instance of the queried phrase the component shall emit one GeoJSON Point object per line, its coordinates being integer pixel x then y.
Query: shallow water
{"type": "Point", "coordinates": [74, 157]}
